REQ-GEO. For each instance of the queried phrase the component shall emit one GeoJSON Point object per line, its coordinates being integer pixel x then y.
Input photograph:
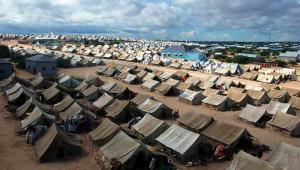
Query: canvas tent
{"type": "Point", "coordinates": [93, 80]}
{"type": "Point", "coordinates": [265, 78]}
{"type": "Point", "coordinates": [91, 93]}
{"type": "Point", "coordinates": [108, 86]}
{"type": "Point", "coordinates": [163, 88]}
{"type": "Point", "coordinates": [245, 161]}
{"type": "Point", "coordinates": [13, 89]}
{"type": "Point", "coordinates": [181, 87]}
{"type": "Point", "coordinates": [17, 95]}
{"type": "Point", "coordinates": [103, 102]}
{"type": "Point", "coordinates": [81, 87]}
{"type": "Point", "coordinates": [64, 104]}
{"type": "Point", "coordinates": [191, 97]}
{"type": "Point", "coordinates": [165, 76]}
{"type": "Point", "coordinates": [52, 95]}
{"type": "Point", "coordinates": [240, 99]}
{"type": "Point", "coordinates": [196, 122]}
{"type": "Point", "coordinates": [151, 107]}
{"type": "Point", "coordinates": [206, 85]}
{"type": "Point", "coordinates": [104, 132]}
{"type": "Point", "coordinates": [285, 156]}
{"type": "Point", "coordinates": [110, 72]}
{"type": "Point", "coordinates": [130, 78]}
{"type": "Point", "coordinates": [210, 91]}
{"type": "Point", "coordinates": [35, 117]}
{"type": "Point", "coordinates": [140, 98]}
{"type": "Point", "coordinates": [118, 110]}
{"type": "Point", "coordinates": [287, 123]}
{"type": "Point", "coordinates": [292, 92]}
{"type": "Point", "coordinates": [258, 96]}
{"type": "Point", "coordinates": [150, 84]}
{"type": "Point", "coordinates": [74, 110]}
{"type": "Point", "coordinates": [193, 81]}
{"type": "Point", "coordinates": [217, 101]}
{"type": "Point", "coordinates": [295, 102]}
{"type": "Point", "coordinates": [122, 148]}
{"type": "Point", "coordinates": [55, 142]}
{"type": "Point", "coordinates": [38, 81]}
{"type": "Point", "coordinates": [24, 108]}
{"type": "Point", "coordinates": [183, 142]}
{"type": "Point", "coordinates": [223, 133]}
{"type": "Point", "coordinates": [253, 114]}
{"type": "Point", "coordinates": [118, 91]}
{"type": "Point", "coordinates": [149, 128]}
{"type": "Point", "coordinates": [101, 69]}
{"type": "Point", "coordinates": [275, 107]}
{"type": "Point", "coordinates": [278, 95]}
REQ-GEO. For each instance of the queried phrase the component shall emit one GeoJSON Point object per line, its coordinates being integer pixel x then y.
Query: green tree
{"type": "Point", "coordinates": [4, 52]}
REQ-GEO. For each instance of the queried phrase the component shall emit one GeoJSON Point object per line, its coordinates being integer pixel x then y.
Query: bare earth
{"type": "Point", "coordinates": [16, 154]}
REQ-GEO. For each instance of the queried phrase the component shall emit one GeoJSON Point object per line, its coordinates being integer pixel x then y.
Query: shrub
{"type": "Point", "coordinates": [64, 63]}
{"type": "Point", "coordinates": [242, 59]}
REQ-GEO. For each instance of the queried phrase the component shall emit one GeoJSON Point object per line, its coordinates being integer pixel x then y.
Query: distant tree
{"type": "Point", "coordinates": [4, 52]}
{"type": "Point", "coordinates": [281, 63]}
{"type": "Point", "coordinates": [64, 63]}
{"type": "Point", "coordinates": [242, 59]}
{"type": "Point", "coordinates": [265, 53]}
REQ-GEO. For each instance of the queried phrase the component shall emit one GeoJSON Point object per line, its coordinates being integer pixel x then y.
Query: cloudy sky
{"type": "Point", "coordinates": [238, 20]}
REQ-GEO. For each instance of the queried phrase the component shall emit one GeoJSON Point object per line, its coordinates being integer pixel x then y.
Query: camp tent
{"type": "Point", "coordinates": [292, 92]}
{"type": "Point", "coordinates": [103, 101]}
{"type": "Point", "coordinates": [64, 104]}
{"type": "Point", "coordinates": [68, 82]}
{"type": "Point", "coordinates": [181, 87]}
{"type": "Point", "coordinates": [151, 107]}
{"type": "Point", "coordinates": [23, 109]}
{"type": "Point", "coordinates": [149, 76]}
{"type": "Point", "coordinates": [55, 143]}
{"type": "Point", "coordinates": [183, 142]}
{"type": "Point", "coordinates": [108, 86]}
{"type": "Point", "coordinates": [193, 81]}
{"type": "Point", "coordinates": [285, 156]}
{"type": "Point", "coordinates": [223, 133]}
{"type": "Point", "coordinates": [104, 132]}
{"type": "Point", "coordinates": [13, 89]}
{"type": "Point", "coordinates": [52, 95]}
{"type": "Point", "coordinates": [101, 69]}
{"type": "Point", "coordinates": [93, 80]}
{"type": "Point", "coordinates": [258, 96]}
{"type": "Point", "coordinates": [122, 148]}
{"type": "Point", "coordinates": [278, 95]}
{"type": "Point", "coordinates": [235, 89]}
{"type": "Point", "coordinates": [210, 91]}
{"type": "Point", "coordinates": [217, 101]}
{"type": "Point", "coordinates": [110, 72]}
{"type": "Point", "coordinates": [118, 91]}
{"type": "Point", "coordinates": [175, 65]}
{"type": "Point", "coordinates": [253, 114]}
{"type": "Point", "coordinates": [75, 110]}
{"type": "Point", "coordinates": [275, 107]}
{"type": "Point", "coordinates": [250, 75]}
{"type": "Point", "coordinates": [38, 81]}
{"type": "Point", "coordinates": [141, 74]}
{"type": "Point", "coordinates": [240, 99]}
{"type": "Point", "coordinates": [165, 76]}
{"type": "Point", "coordinates": [130, 78]}
{"type": "Point", "coordinates": [295, 102]}
{"type": "Point", "coordinates": [150, 84]}
{"type": "Point", "coordinates": [7, 82]}
{"type": "Point", "coordinates": [82, 86]}
{"type": "Point", "coordinates": [287, 123]}
{"type": "Point", "coordinates": [121, 75]}
{"type": "Point", "coordinates": [265, 78]}
{"type": "Point", "coordinates": [206, 85]}
{"type": "Point", "coordinates": [191, 97]}
{"type": "Point", "coordinates": [269, 87]}
{"type": "Point", "coordinates": [140, 98]}
{"type": "Point", "coordinates": [17, 95]}
{"type": "Point", "coordinates": [149, 128]}
{"type": "Point", "coordinates": [245, 161]}
{"type": "Point", "coordinates": [91, 93]}
{"type": "Point", "coordinates": [34, 118]}
{"type": "Point", "coordinates": [118, 110]}
{"type": "Point", "coordinates": [195, 121]}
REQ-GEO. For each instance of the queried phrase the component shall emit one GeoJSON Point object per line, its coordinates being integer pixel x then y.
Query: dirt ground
{"type": "Point", "coordinates": [16, 154]}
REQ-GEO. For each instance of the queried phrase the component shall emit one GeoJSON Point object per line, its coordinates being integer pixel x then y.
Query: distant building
{"type": "Point", "coordinates": [6, 69]}
{"type": "Point", "coordinates": [290, 56]}
{"type": "Point", "coordinates": [41, 64]}
{"type": "Point", "coordinates": [254, 56]}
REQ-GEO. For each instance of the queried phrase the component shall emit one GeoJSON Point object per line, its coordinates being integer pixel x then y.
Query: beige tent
{"type": "Point", "coordinates": [275, 107]}
{"type": "Point", "coordinates": [118, 110]}
{"type": "Point", "coordinates": [165, 76]}
{"type": "Point", "coordinates": [141, 74]}
{"type": "Point", "coordinates": [103, 101]}
{"type": "Point", "coordinates": [285, 156]}
{"type": "Point", "coordinates": [140, 98]}
{"type": "Point", "coordinates": [121, 76]}
{"type": "Point", "coordinates": [110, 72]}
{"type": "Point", "coordinates": [265, 78]}
{"type": "Point", "coordinates": [34, 118]}
{"type": "Point", "coordinates": [217, 101]}
{"type": "Point", "coordinates": [52, 94]}
{"type": "Point", "coordinates": [195, 121]}
{"type": "Point", "coordinates": [245, 161]}
{"type": "Point", "coordinates": [94, 80]}
{"type": "Point", "coordinates": [193, 81]}
{"type": "Point", "coordinates": [108, 86]}
{"type": "Point", "coordinates": [172, 82]}
{"type": "Point", "coordinates": [287, 123]}
{"type": "Point", "coordinates": [149, 76]}
{"type": "Point", "coordinates": [17, 95]}
{"type": "Point", "coordinates": [152, 107]}
{"type": "Point", "coordinates": [130, 78]}
{"type": "Point", "coordinates": [258, 96]}
{"type": "Point", "coordinates": [183, 142]}
{"type": "Point", "coordinates": [269, 87]}
{"type": "Point", "coordinates": [118, 91]}
{"type": "Point", "coordinates": [82, 86]}
{"type": "Point", "coordinates": [176, 65]}
{"type": "Point", "coordinates": [149, 128]}
{"type": "Point", "coordinates": [122, 148]}
{"type": "Point", "coordinates": [292, 92]}
{"type": "Point", "coordinates": [38, 81]}
{"type": "Point", "coordinates": [253, 114]}
{"type": "Point", "coordinates": [13, 89]}
{"type": "Point", "coordinates": [181, 87]}
{"type": "Point", "coordinates": [55, 143]}
{"type": "Point", "coordinates": [295, 102]}
{"type": "Point", "coordinates": [91, 93]}
{"type": "Point", "coordinates": [104, 132]}
{"type": "Point", "coordinates": [206, 85]}
{"type": "Point", "coordinates": [278, 95]}
{"type": "Point", "coordinates": [235, 89]}
{"type": "Point", "coordinates": [240, 99]}
{"type": "Point", "coordinates": [64, 104]}
{"type": "Point", "coordinates": [24, 108]}
{"type": "Point", "coordinates": [150, 84]}
{"type": "Point", "coordinates": [102, 69]}
{"type": "Point", "coordinates": [210, 91]}
{"type": "Point", "coordinates": [223, 133]}
{"type": "Point", "coordinates": [250, 75]}
{"type": "Point", "coordinates": [191, 97]}
{"type": "Point", "coordinates": [73, 110]}
{"type": "Point", "coordinates": [7, 82]}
